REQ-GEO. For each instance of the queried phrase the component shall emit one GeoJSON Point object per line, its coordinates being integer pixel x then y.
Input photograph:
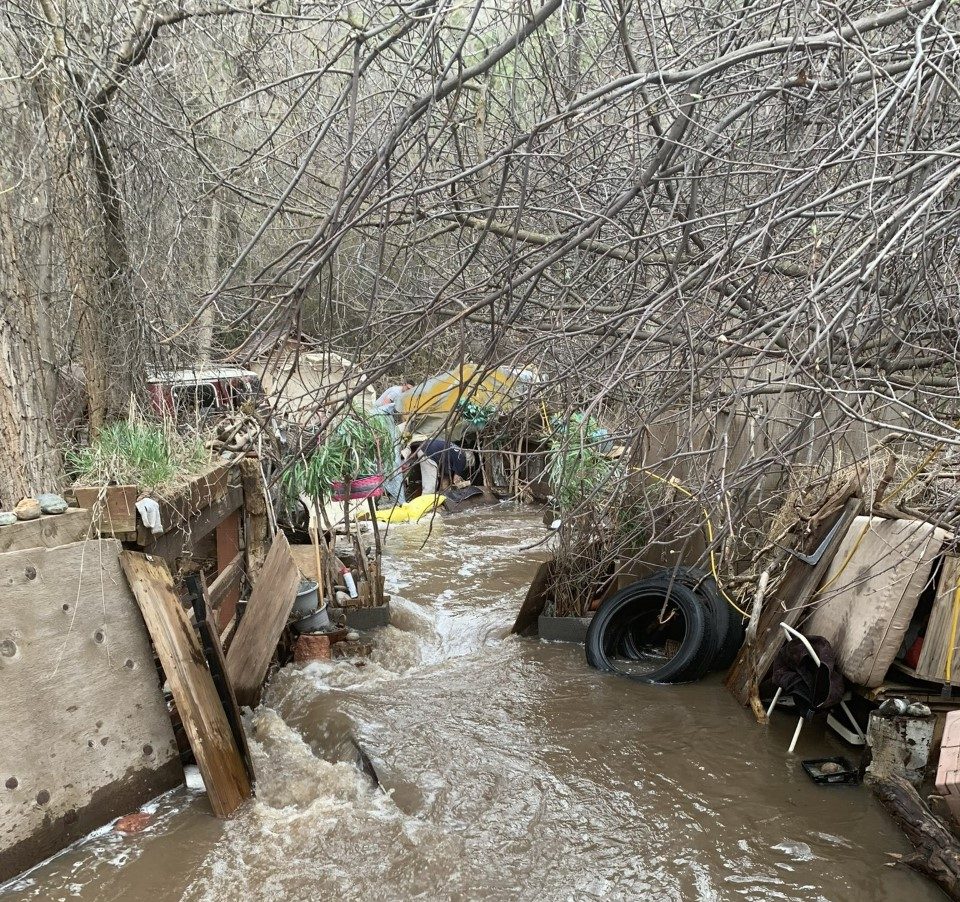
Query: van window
{"type": "Point", "coordinates": [189, 399]}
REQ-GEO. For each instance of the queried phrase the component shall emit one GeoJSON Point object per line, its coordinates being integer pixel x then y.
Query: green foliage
{"type": "Point", "coordinates": [575, 467]}
{"type": "Point", "coordinates": [357, 447]}
{"type": "Point", "coordinates": [150, 455]}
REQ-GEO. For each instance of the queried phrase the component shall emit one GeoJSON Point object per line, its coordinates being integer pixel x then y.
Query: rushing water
{"type": "Point", "coordinates": [509, 769]}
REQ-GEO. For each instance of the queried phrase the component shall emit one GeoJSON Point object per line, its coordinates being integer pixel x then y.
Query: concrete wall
{"type": "Point", "coordinates": [85, 732]}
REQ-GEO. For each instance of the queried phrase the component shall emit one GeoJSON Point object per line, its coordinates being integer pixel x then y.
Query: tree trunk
{"type": "Point", "coordinates": [212, 274]}
{"type": "Point", "coordinates": [29, 461]}
{"type": "Point", "coordinates": [937, 851]}
{"type": "Point", "coordinates": [113, 353]}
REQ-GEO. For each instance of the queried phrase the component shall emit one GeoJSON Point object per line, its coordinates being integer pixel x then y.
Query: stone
{"type": "Point", "coordinates": [27, 509]}
{"type": "Point", "coordinates": [51, 503]}
{"type": "Point", "coordinates": [132, 823]}
{"type": "Point", "coordinates": [7, 518]}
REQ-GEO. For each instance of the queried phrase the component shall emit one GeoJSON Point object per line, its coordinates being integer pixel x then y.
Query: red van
{"type": "Point", "coordinates": [188, 393]}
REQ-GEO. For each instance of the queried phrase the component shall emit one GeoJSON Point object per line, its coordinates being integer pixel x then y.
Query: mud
{"type": "Point", "coordinates": [509, 770]}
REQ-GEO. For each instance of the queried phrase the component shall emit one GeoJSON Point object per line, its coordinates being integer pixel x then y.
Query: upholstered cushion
{"type": "Point", "coordinates": [866, 600]}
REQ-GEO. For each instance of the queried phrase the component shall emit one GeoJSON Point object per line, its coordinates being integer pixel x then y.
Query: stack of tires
{"type": "Point", "coordinates": [673, 627]}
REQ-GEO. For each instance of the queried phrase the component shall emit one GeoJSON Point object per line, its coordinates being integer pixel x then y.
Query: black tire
{"type": "Point", "coordinates": [612, 645]}
{"type": "Point", "coordinates": [731, 627]}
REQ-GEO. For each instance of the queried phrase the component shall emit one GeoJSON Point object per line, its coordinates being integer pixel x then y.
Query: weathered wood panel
{"type": "Point", "coordinates": [48, 532]}
{"type": "Point", "coordinates": [112, 508]}
{"type": "Point", "coordinates": [194, 692]}
{"type": "Point", "coordinates": [267, 611]}
{"type": "Point", "coordinates": [86, 735]}
{"type": "Point", "coordinates": [942, 640]}
{"type": "Point", "coordinates": [305, 559]}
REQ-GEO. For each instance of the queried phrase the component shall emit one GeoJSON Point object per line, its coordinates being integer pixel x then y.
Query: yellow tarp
{"type": "Point", "coordinates": [412, 510]}
{"type": "Point", "coordinates": [441, 393]}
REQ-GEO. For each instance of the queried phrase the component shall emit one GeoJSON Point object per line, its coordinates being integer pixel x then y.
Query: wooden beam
{"type": "Point", "coordinates": [271, 601]}
{"type": "Point", "coordinates": [256, 521]}
{"type": "Point", "coordinates": [209, 631]}
{"type": "Point", "coordinates": [194, 692]}
{"type": "Point", "coordinates": [47, 532]}
{"type": "Point", "coordinates": [536, 598]}
{"type": "Point", "coordinates": [180, 541]}
{"type": "Point", "coordinates": [225, 581]}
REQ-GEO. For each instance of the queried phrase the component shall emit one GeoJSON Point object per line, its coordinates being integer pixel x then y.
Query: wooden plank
{"type": "Point", "coordinates": [932, 664]}
{"type": "Point", "coordinates": [787, 604]}
{"type": "Point", "coordinates": [209, 631]}
{"type": "Point", "coordinates": [73, 525]}
{"type": "Point", "coordinates": [178, 508]}
{"type": "Point", "coordinates": [305, 559]}
{"type": "Point", "coordinates": [113, 507]}
{"type": "Point", "coordinates": [228, 547]}
{"type": "Point", "coordinates": [225, 581]}
{"type": "Point", "coordinates": [179, 542]}
{"type": "Point", "coordinates": [86, 735]}
{"type": "Point", "coordinates": [194, 692]}
{"type": "Point", "coordinates": [535, 600]}
{"type": "Point", "coordinates": [263, 621]}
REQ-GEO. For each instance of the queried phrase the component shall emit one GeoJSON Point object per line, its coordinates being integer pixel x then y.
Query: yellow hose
{"type": "Point", "coordinates": [948, 671]}
{"type": "Point", "coordinates": [709, 525]}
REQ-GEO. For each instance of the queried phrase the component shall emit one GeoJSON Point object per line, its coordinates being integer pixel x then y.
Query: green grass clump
{"type": "Point", "coordinates": [149, 455]}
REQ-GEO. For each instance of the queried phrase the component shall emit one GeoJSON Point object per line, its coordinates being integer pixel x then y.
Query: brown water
{"type": "Point", "coordinates": [512, 771]}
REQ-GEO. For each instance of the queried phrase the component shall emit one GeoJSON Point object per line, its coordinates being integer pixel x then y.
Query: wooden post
{"type": "Point", "coordinates": [377, 587]}
{"type": "Point", "coordinates": [194, 692]}
{"type": "Point", "coordinates": [257, 523]}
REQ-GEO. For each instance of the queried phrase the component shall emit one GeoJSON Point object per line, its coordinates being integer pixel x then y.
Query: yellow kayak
{"type": "Point", "coordinates": [412, 510]}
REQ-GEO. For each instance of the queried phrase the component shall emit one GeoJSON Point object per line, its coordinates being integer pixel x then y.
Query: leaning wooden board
{"type": "Point", "coordinates": [194, 692]}
{"type": "Point", "coordinates": [271, 601]}
{"type": "Point", "coordinates": [942, 640]}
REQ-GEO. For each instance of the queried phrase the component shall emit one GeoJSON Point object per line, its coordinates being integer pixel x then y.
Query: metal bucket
{"type": "Point", "coordinates": [316, 622]}
{"type": "Point", "coordinates": [307, 598]}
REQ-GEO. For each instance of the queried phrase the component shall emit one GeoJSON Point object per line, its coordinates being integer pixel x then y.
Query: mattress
{"type": "Point", "coordinates": [866, 600]}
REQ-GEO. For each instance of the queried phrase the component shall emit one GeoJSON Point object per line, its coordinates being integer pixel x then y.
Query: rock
{"type": "Point", "coordinates": [892, 707]}
{"type": "Point", "coordinates": [830, 767]}
{"type": "Point", "coordinates": [7, 518]}
{"type": "Point", "coordinates": [27, 509]}
{"type": "Point", "coordinates": [132, 823]}
{"type": "Point", "coordinates": [51, 503]}
{"type": "Point", "coordinates": [918, 709]}
{"type": "Point", "coordinates": [353, 636]}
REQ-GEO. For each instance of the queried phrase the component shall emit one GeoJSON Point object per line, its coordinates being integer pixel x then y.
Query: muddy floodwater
{"type": "Point", "coordinates": [511, 771]}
